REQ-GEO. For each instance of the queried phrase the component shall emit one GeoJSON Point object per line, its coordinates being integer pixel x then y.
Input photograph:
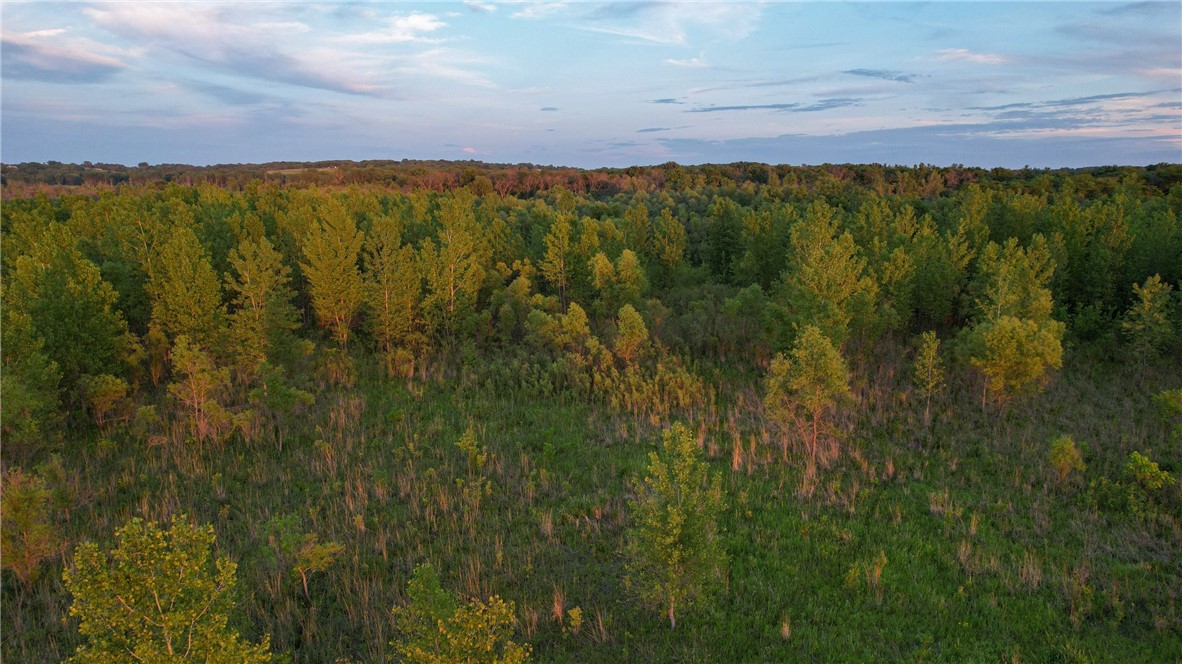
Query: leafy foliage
{"type": "Point", "coordinates": [159, 596]}
{"type": "Point", "coordinates": [438, 629]}
{"type": "Point", "coordinates": [675, 554]}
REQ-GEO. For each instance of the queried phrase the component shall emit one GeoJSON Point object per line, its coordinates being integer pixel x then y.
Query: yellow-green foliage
{"type": "Point", "coordinates": [1066, 457]}
{"type": "Point", "coordinates": [159, 596]}
{"type": "Point", "coordinates": [1147, 473]}
{"type": "Point", "coordinates": [803, 387]}
{"type": "Point", "coordinates": [436, 629]}
{"type": "Point", "coordinates": [674, 551]}
{"type": "Point", "coordinates": [27, 535]}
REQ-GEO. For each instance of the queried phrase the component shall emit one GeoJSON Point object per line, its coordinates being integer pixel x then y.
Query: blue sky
{"type": "Point", "coordinates": [594, 84]}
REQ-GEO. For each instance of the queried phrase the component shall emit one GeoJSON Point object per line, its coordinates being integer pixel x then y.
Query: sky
{"type": "Point", "coordinates": [1050, 84]}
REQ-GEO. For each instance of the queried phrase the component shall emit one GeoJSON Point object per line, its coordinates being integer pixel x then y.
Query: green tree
{"type": "Point", "coordinates": [454, 269]}
{"type": "Point", "coordinates": [674, 551]}
{"type": "Point", "coordinates": [185, 291]}
{"type": "Point", "coordinates": [557, 262]}
{"type": "Point", "coordinates": [631, 334]}
{"type": "Point", "coordinates": [1015, 342]}
{"type": "Point", "coordinates": [393, 296]}
{"type": "Point", "coordinates": [1066, 457]}
{"type": "Point", "coordinates": [28, 384]}
{"type": "Point", "coordinates": [803, 387]}
{"type": "Point", "coordinates": [314, 556]}
{"type": "Point", "coordinates": [198, 387]}
{"type": "Point", "coordinates": [928, 372]}
{"type": "Point", "coordinates": [72, 310]}
{"type": "Point", "coordinates": [1015, 355]}
{"type": "Point", "coordinates": [331, 248]}
{"type": "Point", "coordinates": [263, 316]}
{"type": "Point", "coordinates": [159, 596]}
{"type": "Point", "coordinates": [103, 395]}
{"type": "Point", "coordinates": [1147, 322]}
{"type": "Point", "coordinates": [27, 533]}
{"type": "Point", "coordinates": [825, 285]}
{"type": "Point", "coordinates": [436, 629]}
{"type": "Point", "coordinates": [668, 243]}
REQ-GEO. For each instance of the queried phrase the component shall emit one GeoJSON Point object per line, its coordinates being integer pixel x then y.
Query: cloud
{"type": "Point", "coordinates": [692, 63]}
{"type": "Point", "coordinates": [226, 94]}
{"type": "Point", "coordinates": [481, 7]}
{"type": "Point", "coordinates": [470, 150]}
{"type": "Point", "coordinates": [827, 104]}
{"type": "Point", "coordinates": [673, 22]}
{"type": "Point", "coordinates": [668, 100]}
{"type": "Point", "coordinates": [548, 109]}
{"type": "Point", "coordinates": [537, 10]}
{"type": "Point", "coordinates": [965, 55]}
{"type": "Point", "coordinates": [217, 36]}
{"type": "Point", "coordinates": [745, 107]}
{"type": "Point", "coordinates": [884, 74]}
{"type": "Point", "coordinates": [45, 56]}
{"type": "Point", "coordinates": [409, 28]}
{"type": "Point", "coordinates": [649, 130]}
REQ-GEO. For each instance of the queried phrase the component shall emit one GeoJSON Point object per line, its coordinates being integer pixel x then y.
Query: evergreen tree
{"type": "Point", "coordinates": [675, 554]}
{"type": "Point", "coordinates": [158, 597]}
{"type": "Point", "coordinates": [29, 382]}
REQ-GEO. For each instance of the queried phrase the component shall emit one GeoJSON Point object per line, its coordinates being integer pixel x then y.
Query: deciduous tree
{"type": "Point", "coordinates": [674, 551]}
{"type": "Point", "coordinates": [159, 596]}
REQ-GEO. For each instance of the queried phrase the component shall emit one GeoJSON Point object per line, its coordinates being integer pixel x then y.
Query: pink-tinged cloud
{"type": "Point", "coordinates": [965, 55]}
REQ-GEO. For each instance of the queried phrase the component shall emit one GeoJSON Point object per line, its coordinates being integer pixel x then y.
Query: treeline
{"type": "Point", "coordinates": [225, 308]}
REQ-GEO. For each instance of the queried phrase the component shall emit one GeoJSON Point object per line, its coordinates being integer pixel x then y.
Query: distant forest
{"type": "Point", "coordinates": [464, 412]}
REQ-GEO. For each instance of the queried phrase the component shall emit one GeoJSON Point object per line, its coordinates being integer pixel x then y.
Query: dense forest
{"type": "Point", "coordinates": [465, 412]}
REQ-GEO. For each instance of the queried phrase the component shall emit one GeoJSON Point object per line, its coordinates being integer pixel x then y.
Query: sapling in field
{"type": "Point", "coordinates": [674, 551]}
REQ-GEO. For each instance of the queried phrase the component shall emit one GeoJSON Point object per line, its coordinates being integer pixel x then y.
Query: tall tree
{"type": "Point", "coordinates": [331, 249]}
{"type": "Point", "coordinates": [675, 554]}
{"type": "Point", "coordinates": [803, 387]}
{"type": "Point", "coordinates": [393, 297]}
{"type": "Point", "coordinates": [1015, 342]}
{"type": "Point", "coordinates": [825, 285]}
{"type": "Point", "coordinates": [263, 316]}
{"type": "Point", "coordinates": [186, 293]}
{"type": "Point", "coordinates": [557, 261]}
{"type": "Point", "coordinates": [454, 269]}
{"type": "Point", "coordinates": [1147, 322]}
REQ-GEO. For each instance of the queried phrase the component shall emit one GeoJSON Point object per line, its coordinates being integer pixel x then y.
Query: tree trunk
{"type": "Point", "coordinates": [672, 617]}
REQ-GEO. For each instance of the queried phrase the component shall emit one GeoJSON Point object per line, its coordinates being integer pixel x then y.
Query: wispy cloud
{"type": "Point", "coordinates": [412, 27]}
{"type": "Point", "coordinates": [673, 22]}
{"type": "Point", "coordinates": [965, 55]}
{"type": "Point", "coordinates": [537, 10]}
{"type": "Point", "coordinates": [668, 100]}
{"type": "Point", "coordinates": [548, 109]}
{"type": "Point", "coordinates": [884, 74]}
{"type": "Point", "coordinates": [50, 55]}
{"type": "Point", "coordinates": [649, 130]}
{"type": "Point", "coordinates": [743, 107]}
{"type": "Point", "coordinates": [692, 63]}
{"type": "Point", "coordinates": [478, 6]}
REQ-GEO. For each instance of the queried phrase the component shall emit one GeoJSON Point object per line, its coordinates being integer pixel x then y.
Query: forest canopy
{"type": "Point", "coordinates": [416, 410]}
